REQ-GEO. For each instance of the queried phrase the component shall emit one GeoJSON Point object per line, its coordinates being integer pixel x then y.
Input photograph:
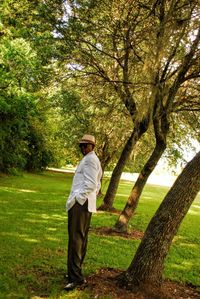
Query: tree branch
{"type": "Point", "coordinates": [182, 71]}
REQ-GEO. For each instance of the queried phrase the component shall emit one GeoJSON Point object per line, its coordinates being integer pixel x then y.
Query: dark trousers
{"type": "Point", "coordinates": [78, 225]}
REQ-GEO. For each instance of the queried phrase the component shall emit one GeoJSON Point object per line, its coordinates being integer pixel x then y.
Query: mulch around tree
{"type": "Point", "coordinates": [108, 231]}
{"type": "Point", "coordinates": [105, 282]}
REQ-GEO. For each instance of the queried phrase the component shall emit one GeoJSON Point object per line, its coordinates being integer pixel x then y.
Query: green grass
{"type": "Point", "coordinates": [33, 236]}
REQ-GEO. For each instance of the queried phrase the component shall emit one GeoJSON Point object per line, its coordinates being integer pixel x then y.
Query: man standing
{"type": "Point", "coordinates": [80, 205]}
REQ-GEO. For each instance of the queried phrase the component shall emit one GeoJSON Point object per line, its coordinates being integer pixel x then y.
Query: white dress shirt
{"type": "Point", "coordinates": [86, 182]}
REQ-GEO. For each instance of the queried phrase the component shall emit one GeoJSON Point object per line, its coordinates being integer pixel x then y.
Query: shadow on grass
{"type": "Point", "coordinates": [40, 275]}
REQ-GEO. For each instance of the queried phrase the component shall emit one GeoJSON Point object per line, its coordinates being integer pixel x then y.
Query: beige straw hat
{"type": "Point", "coordinates": [87, 139]}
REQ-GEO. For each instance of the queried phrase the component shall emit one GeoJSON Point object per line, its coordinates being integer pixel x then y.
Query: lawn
{"type": "Point", "coordinates": [33, 236]}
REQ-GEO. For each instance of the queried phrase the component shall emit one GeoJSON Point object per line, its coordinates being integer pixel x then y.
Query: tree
{"type": "Point", "coordinates": [17, 104]}
{"type": "Point", "coordinates": [178, 141]}
{"type": "Point", "coordinates": [107, 120]}
{"type": "Point", "coordinates": [166, 84]}
{"type": "Point", "coordinates": [22, 75]}
{"type": "Point", "coordinates": [148, 262]}
{"type": "Point", "coordinates": [161, 128]}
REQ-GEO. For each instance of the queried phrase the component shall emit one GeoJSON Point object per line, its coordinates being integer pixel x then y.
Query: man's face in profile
{"type": "Point", "coordinates": [85, 148]}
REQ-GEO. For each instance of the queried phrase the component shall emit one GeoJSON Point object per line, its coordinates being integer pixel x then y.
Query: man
{"type": "Point", "coordinates": [80, 205]}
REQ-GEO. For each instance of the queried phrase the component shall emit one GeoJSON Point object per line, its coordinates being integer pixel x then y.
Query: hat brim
{"type": "Point", "coordinates": [85, 141]}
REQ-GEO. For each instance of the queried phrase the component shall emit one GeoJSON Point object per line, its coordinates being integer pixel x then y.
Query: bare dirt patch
{"type": "Point", "coordinates": [105, 284]}
{"type": "Point", "coordinates": [108, 231]}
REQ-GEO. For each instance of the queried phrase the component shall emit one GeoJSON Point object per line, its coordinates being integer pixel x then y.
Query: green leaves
{"type": "Point", "coordinates": [19, 108]}
{"type": "Point", "coordinates": [17, 65]}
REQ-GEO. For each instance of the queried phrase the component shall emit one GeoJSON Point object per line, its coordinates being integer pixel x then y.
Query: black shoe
{"type": "Point", "coordinates": [72, 285]}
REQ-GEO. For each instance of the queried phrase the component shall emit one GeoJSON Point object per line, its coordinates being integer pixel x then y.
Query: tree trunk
{"type": "Point", "coordinates": [148, 262]}
{"type": "Point", "coordinates": [131, 205]}
{"type": "Point", "coordinates": [161, 129]}
{"type": "Point", "coordinates": [139, 129]}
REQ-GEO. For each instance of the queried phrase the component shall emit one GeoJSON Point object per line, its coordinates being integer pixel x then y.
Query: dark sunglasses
{"type": "Point", "coordinates": [84, 145]}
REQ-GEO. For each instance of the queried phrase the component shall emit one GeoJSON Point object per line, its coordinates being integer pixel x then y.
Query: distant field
{"type": "Point", "coordinates": [154, 179]}
{"type": "Point", "coordinates": [33, 236]}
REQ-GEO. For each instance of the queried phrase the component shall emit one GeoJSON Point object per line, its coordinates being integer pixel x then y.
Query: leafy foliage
{"type": "Point", "coordinates": [19, 108]}
{"type": "Point", "coordinates": [101, 64]}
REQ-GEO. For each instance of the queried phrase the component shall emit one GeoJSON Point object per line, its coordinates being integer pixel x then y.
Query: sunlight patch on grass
{"type": "Point", "coordinates": [52, 239]}
{"type": "Point", "coordinates": [177, 238]}
{"type": "Point", "coordinates": [16, 235]}
{"type": "Point", "coordinates": [196, 207]}
{"type": "Point", "coordinates": [121, 195]}
{"type": "Point", "coordinates": [31, 240]}
{"type": "Point", "coordinates": [187, 264]}
{"type": "Point", "coordinates": [35, 220]}
{"type": "Point", "coordinates": [45, 216]}
{"type": "Point", "coordinates": [192, 212]}
{"type": "Point", "coordinates": [38, 297]}
{"type": "Point", "coordinates": [28, 191]}
{"type": "Point", "coordinates": [178, 266]}
{"type": "Point", "coordinates": [75, 294]}
{"type": "Point", "coordinates": [54, 216]}
{"type": "Point", "coordinates": [13, 190]}
{"type": "Point", "coordinates": [52, 229]}
{"type": "Point", "coordinates": [58, 217]}
{"type": "Point", "coordinates": [189, 245]}
{"type": "Point", "coordinates": [125, 182]}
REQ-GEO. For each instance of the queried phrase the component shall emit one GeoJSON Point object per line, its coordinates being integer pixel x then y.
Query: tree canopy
{"type": "Point", "coordinates": [114, 65]}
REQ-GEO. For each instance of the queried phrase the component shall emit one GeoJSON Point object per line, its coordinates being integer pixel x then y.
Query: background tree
{"type": "Point", "coordinates": [164, 92]}
{"type": "Point", "coordinates": [161, 128]}
{"type": "Point", "coordinates": [179, 144]}
{"type": "Point", "coordinates": [26, 70]}
{"type": "Point", "coordinates": [106, 119]}
{"type": "Point", "coordinates": [17, 103]}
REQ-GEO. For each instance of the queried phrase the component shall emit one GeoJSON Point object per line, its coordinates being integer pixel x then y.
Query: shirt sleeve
{"type": "Point", "coordinates": [90, 180]}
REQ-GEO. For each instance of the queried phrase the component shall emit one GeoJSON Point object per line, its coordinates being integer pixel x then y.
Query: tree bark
{"type": "Point", "coordinates": [132, 203]}
{"type": "Point", "coordinates": [161, 129]}
{"type": "Point", "coordinates": [139, 129]}
{"type": "Point", "coordinates": [148, 262]}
